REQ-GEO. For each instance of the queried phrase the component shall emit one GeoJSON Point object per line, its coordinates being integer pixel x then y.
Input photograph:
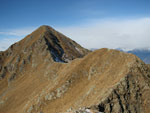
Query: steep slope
{"type": "Point", "coordinates": [105, 80]}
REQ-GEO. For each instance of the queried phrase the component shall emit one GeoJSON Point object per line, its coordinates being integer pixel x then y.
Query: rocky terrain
{"type": "Point", "coordinates": [47, 72]}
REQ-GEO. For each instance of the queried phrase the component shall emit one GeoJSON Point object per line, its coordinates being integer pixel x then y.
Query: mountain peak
{"type": "Point", "coordinates": [42, 30]}
{"type": "Point", "coordinates": [43, 45]}
{"type": "Point", "coordinates": [62, 48]}
{"type": "Point", "coordinates": [45, 28]}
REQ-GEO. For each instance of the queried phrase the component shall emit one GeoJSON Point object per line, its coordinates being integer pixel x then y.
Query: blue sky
{"type": "Point", "coordinates": [20, 17]}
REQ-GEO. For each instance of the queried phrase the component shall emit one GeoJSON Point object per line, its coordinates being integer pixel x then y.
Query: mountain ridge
{"type": "Point", "coordinates": [104, 80]}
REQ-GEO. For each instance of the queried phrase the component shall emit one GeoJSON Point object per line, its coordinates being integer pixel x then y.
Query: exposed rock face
{"type": "Point", "coordinates": [36, 78]}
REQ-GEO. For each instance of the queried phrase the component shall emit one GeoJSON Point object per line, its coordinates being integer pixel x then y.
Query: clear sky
{"type": "Point", "coordinates": [108, 23]}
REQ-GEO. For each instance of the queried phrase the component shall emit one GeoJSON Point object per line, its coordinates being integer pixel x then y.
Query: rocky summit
{"type": "Point", "coordinates": [47, 72]}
